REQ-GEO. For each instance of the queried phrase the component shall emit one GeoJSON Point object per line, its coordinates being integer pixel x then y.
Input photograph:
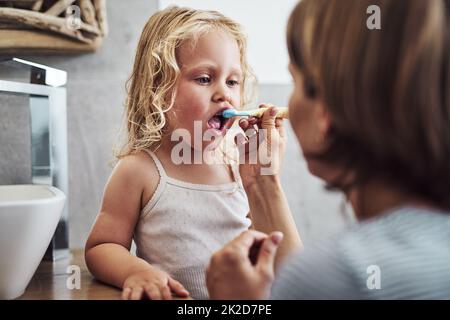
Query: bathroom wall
{"type": "Point", "coordinates": [95, 94]}
{"type": "Point", "coordinates": [267, 22]}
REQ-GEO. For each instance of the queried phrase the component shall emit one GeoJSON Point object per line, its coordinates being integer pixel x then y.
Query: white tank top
{"type": "Point", "coordinates": [184, 223]}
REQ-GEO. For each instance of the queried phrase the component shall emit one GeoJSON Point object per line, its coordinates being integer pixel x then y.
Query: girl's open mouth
{"type": "Point", "coordinates": [218, 122]}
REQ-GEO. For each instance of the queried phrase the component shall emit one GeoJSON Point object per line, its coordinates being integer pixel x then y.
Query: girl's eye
{"type": "Point", "coordinates": [233, 83]}
{"type": "Point", "coordinates": [203, 80]}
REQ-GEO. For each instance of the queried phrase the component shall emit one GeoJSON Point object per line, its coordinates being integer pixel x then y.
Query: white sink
{"type": "Point", "coordinates": [29, 215]}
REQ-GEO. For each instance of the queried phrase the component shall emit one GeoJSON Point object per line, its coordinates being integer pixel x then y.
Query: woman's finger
{"type": "Point", "coordinates": [237, 251]}
{"type": "Point", "coordinates": [252, 121]}
{"type": "Point", "coordinates": [239, 139]}
{"type": "Point", "coordinates": [253, 140]}
{"type": "Point", "coordinates": [267, 252]}
{"type": "Point", "coordinates": [251, 131]}
{"type": "Point", "coordinates": [247, 238]}
{"type": "Point", "coordinates": [241, 142]}
{"type": "Point", "coordinates": [268, 118]}
{"type": "Point", "coordinates": [254, 251]}
{"type": "Point", "coordinates": [279, 124]}
{"type": "Point", "coordinates": [244, 123]}
{"type": "Point", "coordinates": [178, 288]}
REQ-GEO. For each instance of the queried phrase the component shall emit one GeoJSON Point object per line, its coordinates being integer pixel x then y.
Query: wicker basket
{"type": "Point", "coordinates": [52, 25]}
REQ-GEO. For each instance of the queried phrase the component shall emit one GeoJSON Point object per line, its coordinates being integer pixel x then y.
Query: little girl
{"type": "Point", "coordinates": [190, 65]}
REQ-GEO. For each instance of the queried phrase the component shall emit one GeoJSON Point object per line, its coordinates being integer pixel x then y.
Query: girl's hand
{"type": "Point", "coordinates": [153, 283]}
{"type": "Point", "coordinates": [244, 268]}
{"type": "Point", "coordinates": [262, 148]}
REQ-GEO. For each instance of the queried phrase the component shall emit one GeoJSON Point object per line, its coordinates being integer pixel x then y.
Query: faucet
{"type": "Point", "coordinates": [48, 125]}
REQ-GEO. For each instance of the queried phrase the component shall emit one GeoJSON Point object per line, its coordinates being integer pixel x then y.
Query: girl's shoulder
{"type": "Point", "coordinates": [138, 163]}
{"type": "Point", "coordinates": [140, 167]}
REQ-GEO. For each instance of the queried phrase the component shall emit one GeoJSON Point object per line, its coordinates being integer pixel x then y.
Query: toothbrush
{"type": "Point", "coordinates": [229, 113]}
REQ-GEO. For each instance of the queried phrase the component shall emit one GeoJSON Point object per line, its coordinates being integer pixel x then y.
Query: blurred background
{"type": "Point", "coordinates": [95, 100]}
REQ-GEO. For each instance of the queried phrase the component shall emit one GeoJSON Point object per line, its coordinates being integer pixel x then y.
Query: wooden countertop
{"type": "Point", "coordinates": [49, 282]}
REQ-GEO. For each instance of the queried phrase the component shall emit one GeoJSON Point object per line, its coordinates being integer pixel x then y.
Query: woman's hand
{"type": "Point", "coordinates": [152, 283]}
{"type": "Point", "coordinates": [244, 268]}
{"type": "Point", "coordinates": [263, 146]}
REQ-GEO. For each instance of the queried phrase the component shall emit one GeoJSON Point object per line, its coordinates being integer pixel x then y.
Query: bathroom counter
{"type": "Point", "coordinates": [50, 282]}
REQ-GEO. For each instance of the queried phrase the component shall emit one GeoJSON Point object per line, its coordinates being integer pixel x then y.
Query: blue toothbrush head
{"type": "Point", "coordinates": [229, 113]}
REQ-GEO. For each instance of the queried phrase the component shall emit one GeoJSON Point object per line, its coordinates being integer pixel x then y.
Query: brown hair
{"type": "Point", "coordinates": [387, 90]}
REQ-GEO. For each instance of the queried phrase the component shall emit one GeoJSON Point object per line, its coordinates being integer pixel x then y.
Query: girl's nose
{"type": "Point", "coordinates": [222, 94]}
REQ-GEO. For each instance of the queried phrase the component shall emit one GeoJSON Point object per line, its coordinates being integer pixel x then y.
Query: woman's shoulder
{"type": "Point", "coordinates": [399, 229]}
{"type": "Point", "coordinates": [401, 245]}
{"type": "Point", "coordinates": [319, 271]}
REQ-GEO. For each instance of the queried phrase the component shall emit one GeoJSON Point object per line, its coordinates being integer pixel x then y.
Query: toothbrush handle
{"type": "Point", "coordinates": [282, 112]}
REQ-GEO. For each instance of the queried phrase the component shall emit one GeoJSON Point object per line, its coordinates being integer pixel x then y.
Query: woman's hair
{"type": "Point", "coordinates": [151, 88]}
{"type": "Point", "coordinates": [387, 90]}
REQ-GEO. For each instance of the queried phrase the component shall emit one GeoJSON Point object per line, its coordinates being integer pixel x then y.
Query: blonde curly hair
{"type": "Point", "coordinates": [151, 88]}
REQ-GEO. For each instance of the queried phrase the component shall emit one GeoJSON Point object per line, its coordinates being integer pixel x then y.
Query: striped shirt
{"type": "Point", "coordinates": [402, 254]}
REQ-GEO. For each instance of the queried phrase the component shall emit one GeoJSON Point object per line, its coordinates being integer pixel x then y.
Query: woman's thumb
{"type": "Point", "coordinates": [267, 253]}
{"type": "Point", "coordinates": [268, 118]}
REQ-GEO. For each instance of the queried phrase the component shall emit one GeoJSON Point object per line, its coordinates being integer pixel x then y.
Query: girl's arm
{"type": "Point", "coordinates": [107, 251]}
